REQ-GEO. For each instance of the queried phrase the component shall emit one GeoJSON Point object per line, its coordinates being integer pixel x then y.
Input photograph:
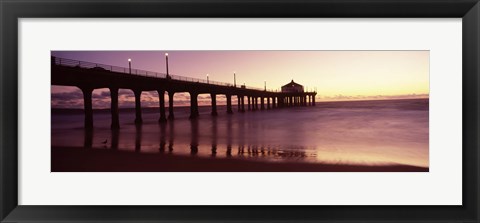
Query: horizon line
{"type": "Point", "coordinates": [206, 105]}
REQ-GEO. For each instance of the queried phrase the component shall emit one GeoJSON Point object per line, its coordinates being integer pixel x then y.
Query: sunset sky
{"type": "Point", "coordinates": [336, 75]}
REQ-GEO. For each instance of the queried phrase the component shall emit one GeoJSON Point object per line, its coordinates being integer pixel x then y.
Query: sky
{"type": "Point", "coordinates": [335, 75]}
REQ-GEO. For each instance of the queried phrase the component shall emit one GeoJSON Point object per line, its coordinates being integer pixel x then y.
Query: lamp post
{"type": "Point", "coordinates": [234, 79]}
{"type": "Point", "coordinates": [166, 60]}
{"type": "Point", "coordinates": [207, 79]}
{"type": "Point", "coordinates": [129, 66]}
{"type": "Point", "coordinates": [265, 85]}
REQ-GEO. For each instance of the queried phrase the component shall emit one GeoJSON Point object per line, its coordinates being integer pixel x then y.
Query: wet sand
{"type": "Point", "coordinates": [77, 159]}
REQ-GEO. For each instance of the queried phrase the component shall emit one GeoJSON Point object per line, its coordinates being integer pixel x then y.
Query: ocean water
{"type": "Point", "coordinates": [351, 132]}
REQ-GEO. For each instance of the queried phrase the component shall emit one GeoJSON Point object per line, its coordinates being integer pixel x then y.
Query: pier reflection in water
{"type": "Point", "coordinates": [202, 141]}
{"type": "Point", "coordinates": [115, 138]}
{"type": "Point", "coordinates": [163, 138]}
{"type": "Point", "coordinates": [138, 137]}
{"type": "Point", "coordinates": [194, 136]}
{"type": "Point", "coordinates": [214, 137]}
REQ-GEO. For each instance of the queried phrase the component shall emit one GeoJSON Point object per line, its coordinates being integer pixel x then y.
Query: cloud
{"type": "Point", "coordinates": [66, 96]}
{"type": "Point", "coordinates": [99, 96]}
{"type": "Point", "coordinates": [153, 94]}
{"type": "Point", "coordinates": [72, 99]}
{"type": "Point", "coordinates": [126, 93]}
{"type": "Point", "coordinates": [105, 94]}
{"type": "Point", "coordinates": [101, 99]}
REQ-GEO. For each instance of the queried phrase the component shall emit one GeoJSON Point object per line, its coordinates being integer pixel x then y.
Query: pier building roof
{"type": "Point", "coordinates": [292, 84]}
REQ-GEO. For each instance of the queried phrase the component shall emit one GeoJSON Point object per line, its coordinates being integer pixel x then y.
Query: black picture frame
{"type": "Point", "coordinates": [11, 11]}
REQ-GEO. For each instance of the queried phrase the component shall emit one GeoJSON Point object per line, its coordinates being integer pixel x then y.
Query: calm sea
{"type": "Point", "coordinates": [353, 132]}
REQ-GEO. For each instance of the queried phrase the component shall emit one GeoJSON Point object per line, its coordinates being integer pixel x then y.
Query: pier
{"type": "Point", "coordinates": [88, 76]}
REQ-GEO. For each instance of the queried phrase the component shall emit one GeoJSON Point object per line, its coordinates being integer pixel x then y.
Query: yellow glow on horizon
{"type": "Point", "coordinates": [366, 73]}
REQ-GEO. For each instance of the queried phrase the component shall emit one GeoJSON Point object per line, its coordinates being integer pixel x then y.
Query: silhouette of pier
{"type": "Point", "coordinates": [89, 76]}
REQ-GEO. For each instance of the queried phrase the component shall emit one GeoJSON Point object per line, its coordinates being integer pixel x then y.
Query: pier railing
{"type": "Point", "coordinates": [103, 67]}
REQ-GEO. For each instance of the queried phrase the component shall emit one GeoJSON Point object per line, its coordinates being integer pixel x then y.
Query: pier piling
{"type": "Point", "coordinates": [138, 106]}
{"type": "Point", "coordinates": [193, 105]}
{"type": "Point", "coordinates": [161, 101]}
{"type": "Point", "coordinates": [170, 105]}
{"type": "Point", "coordinates": [87, 103]}
{"type": "Point", "coordinates": [214, 104]}
{"type": "Point", "coordinates": [114, 108]}
{"type": "Point", "coordinates": [229, 104]}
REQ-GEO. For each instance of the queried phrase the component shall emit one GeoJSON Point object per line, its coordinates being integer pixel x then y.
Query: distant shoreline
{"type": "Point", "coordinates": [376, 99]}
{"type": "Point", "coordinates": [78, 159]}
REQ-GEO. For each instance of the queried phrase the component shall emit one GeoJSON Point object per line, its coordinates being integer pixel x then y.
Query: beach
{"type": "Point", "coordinates": [98, 160]}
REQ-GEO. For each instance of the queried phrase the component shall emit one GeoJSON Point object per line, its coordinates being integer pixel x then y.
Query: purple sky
{"type": "Point", "coordinates": [337, 75]}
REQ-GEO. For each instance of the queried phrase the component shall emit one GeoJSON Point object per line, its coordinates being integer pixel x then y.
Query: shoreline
{"type": "Point", "coordinates": [79, 159]}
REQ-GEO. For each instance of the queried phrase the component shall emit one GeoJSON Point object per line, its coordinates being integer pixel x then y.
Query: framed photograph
{"type": "Point", "coordinates": [239, 111]}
